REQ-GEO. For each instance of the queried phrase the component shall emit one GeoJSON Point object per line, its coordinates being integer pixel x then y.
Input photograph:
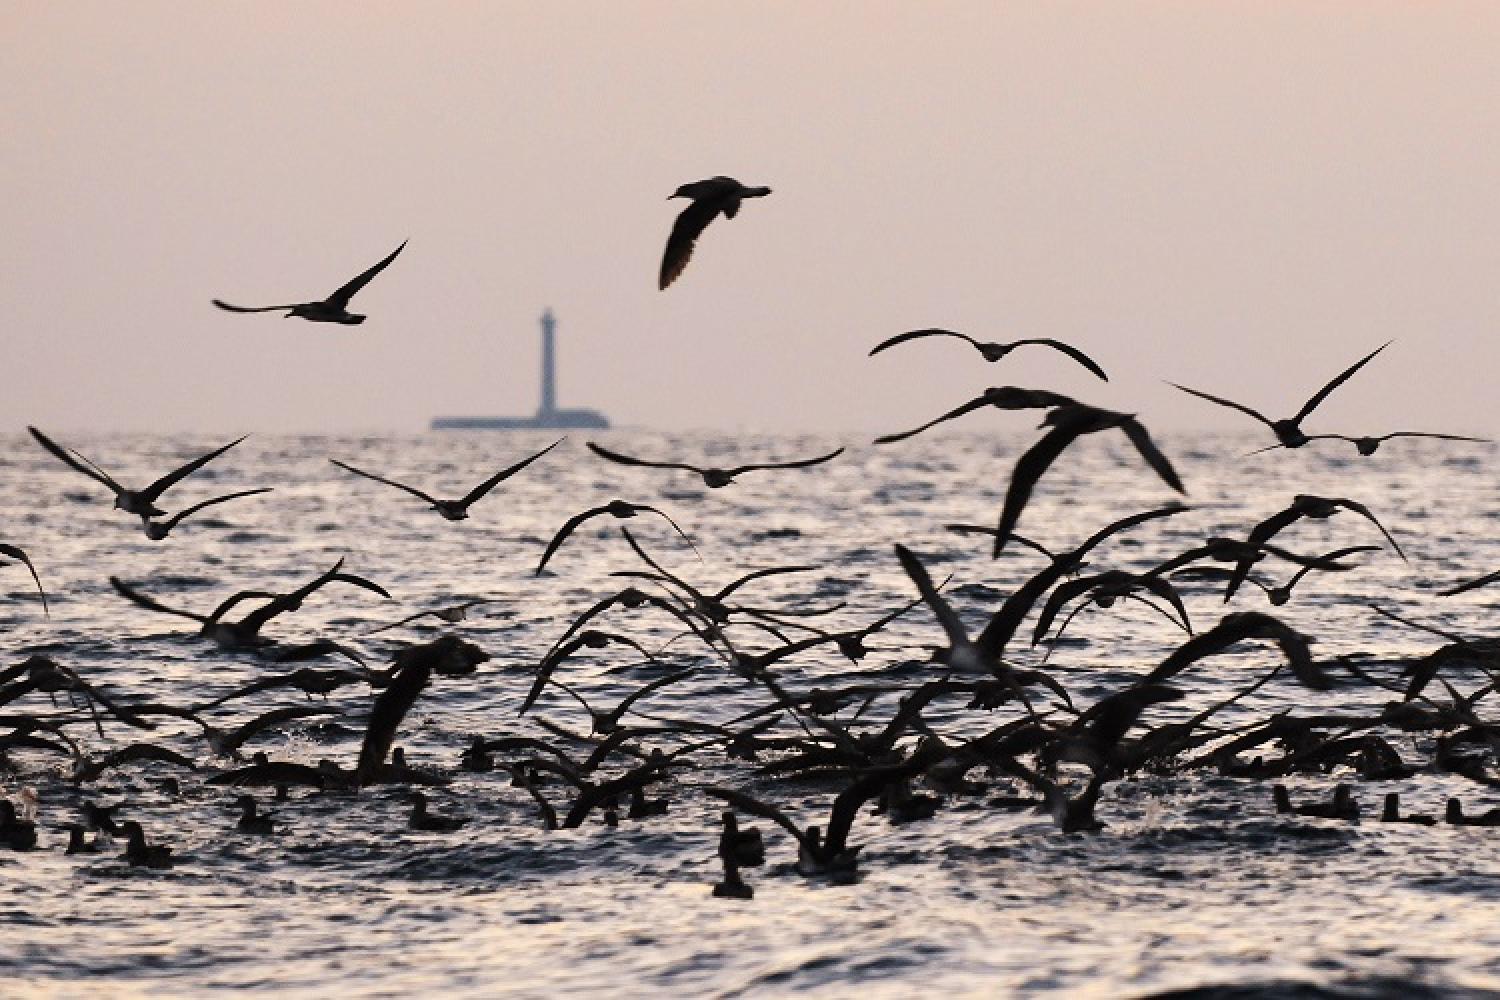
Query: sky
{"type": "Point", "coordinates": [1241, 197]}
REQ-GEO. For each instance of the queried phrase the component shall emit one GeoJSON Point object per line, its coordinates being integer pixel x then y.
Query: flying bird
{"type": "Point", "coordinates": [712, 478]}
{"type": "Point", "coordinates": [1289, 431]}
{"type": "Point", "coordinates": [334, 309]}
{"type": "Point", "coordinates": [1068, 424]}
{"type": "Point", "coordinates": [1368, 445]}
{"type": "Point", "coordinates": [1005, 397]}
{"type": "Point", "coordinates": [709, 198]}
{"type": "Point", "coordinates": [158, 530]}
{"type": "Point", "coordinates": [616, 508]}
{"type": "Point", "coordinates": [452, 614]}
{"type": "Point", "coordinates": [142, 503]}
{"type": "Point", "coordinates": [993, 351]}
{"type": "Point", "coordinates": [455, 510]}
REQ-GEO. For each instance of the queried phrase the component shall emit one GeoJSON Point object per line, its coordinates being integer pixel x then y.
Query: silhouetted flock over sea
{"type": "Point", "coordinates": [870, 743]}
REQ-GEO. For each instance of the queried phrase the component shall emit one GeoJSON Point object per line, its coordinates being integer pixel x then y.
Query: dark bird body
{"type": "Point", "coordinates": [712, 478]}
{"type": "Point", "coordinates": [1070, 422]}
{"type": "Point", "coordinates": [454, 510]}
{"type": "Point", "coordinates": [1289, 433]}
{"type": "Point", "coordinates": [992, 351]}
{"type": "Point", "coordinates": [334, 309]}
{"type": "Point", "coordinates": [142, 503]}
{"type": "Point", "coordinates": [710, 198]}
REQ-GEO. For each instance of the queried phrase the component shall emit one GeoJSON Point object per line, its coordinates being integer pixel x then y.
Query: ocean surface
{"type": "Point", "coordinates": [1195, 884]}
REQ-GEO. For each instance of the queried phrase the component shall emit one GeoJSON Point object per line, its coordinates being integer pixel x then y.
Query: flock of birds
{"type": "Point", "coordinates": [869, 744]}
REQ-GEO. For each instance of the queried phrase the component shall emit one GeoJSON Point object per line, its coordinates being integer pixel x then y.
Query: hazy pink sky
{"type": "Point", "coordinates": [1242, 197]}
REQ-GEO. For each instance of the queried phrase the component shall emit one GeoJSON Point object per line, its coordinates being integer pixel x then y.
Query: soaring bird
{"type": "Point", "coordinates": [334, 309]}
{"type": "Point", "coordinates": [1369, 444]}
{"type": "Point", "coordinates": [712, 478]}
{"type": "Point", "coordinates": [455, 510]}
{"type": "Point", "coordinates": [1289, 432]}
{"type": "Point", "coordinates": [141, 503]}
{"type": "Point", "coordinates": [709, 198]}
{"type": "Point", "coordinates": [1069, 423]}
{"type": "Point", "coordinates": [992, 351]}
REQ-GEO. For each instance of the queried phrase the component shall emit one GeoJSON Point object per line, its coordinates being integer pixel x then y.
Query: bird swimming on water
{"type": "Point", "coordinates": [709, 198]}
{"type": "Point", "coordinates": [334, 309]}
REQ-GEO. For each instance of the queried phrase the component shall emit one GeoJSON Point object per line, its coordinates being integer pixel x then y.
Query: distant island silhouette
{"type": "Point", "coordinates": [547, 415]}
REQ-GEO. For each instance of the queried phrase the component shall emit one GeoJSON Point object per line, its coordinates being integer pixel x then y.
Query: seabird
{"type": "Point", "coordinates": [992, 351]}
{"type": "Point", "coordinates": [141, 854]}
{"type": "Point", "coordinates": [142, 503]}
{"type": "Point", "coordinates": [1369, 445]}
{"type": "Point", "coordinates": [712, 478]}
{"type": "Point", "coordinates": [1289, 431]}
{"type": "Point", "coordinates": [250, 821]}
{"type": "Point", "coordinates": [1069, 423]}
{"type": "Point", "coordinates": [455, 510]}
{"type": "Point", "coordinates": [158, 530]}
{"type": "Point", "coordinates": [709, 198]}
{"type": "Point", "coordinates": [1391, 812]}
{"type": "Point", "coordinates": [334, 309]}
{"type": "Point", "coordinates": [1342, 807]}
{"type": "Point", "coordinates": [615, 508]}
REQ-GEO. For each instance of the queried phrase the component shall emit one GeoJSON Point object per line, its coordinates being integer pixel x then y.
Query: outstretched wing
{"type": "Point", "coordinates": [389, 482]}
{"type": "Point", "coordinates": [180, 515]}
{"type": "Point", "coordinates": [977, 403]}
{"type": "Point", "coordinates": [505, 474]}
{"type": "Point", "coordinates": [1343, 377]}
{"type": "Point", "coordinates": [1223, 402]}
{"type": "Point", "coordinates": [799, 464]}
{"type": "Point", "coordinates": [1028, 472]}
{"type": "Point", "coordinates": [253, 309]}
{"type": "Point", "coordinates": [567, 529]}
{"type": "Point", "coordinates": [341, 297]}
{"type": "Point", "coordinates": [94, 473]}
{"type": "Point", "coordinates": [685, 232]}
{"type": "Point", "coordinates": [151, 493]}
{"type": "Point", "coordinates": [902, 338]}
{"type": "Point", "coordinates": [941, 609]}
{"type": "Point", "coordinates": [15, 553]}
{"type": "Point", "coordinates": [1364, 512]}
{"type": "Point", "coordinates": [1069, 350]}
{"type": "Point", "coordinates": [680, 533]}
{"type": "Point", "coordinates": [618, 458]}
{"type": "Point", "coordinates": [1136, 432]}
{"type": "Point", "coordinates": [149, 603]}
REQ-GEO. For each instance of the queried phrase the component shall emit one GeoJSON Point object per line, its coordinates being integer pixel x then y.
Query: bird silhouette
{"type": "Point", "coordinates": [455, 510]}
{"type": "Point", "coordinates": [709, 198]}
{"type": "Point", "coordinates": [712, 478]}
{"type": "Point", "coordinates": [142, 503]}
{"type": "Point", "coordinates": [990, 350]}
{"type": "Point", "coordinates": [1070, 422]}
{"type": "Point", "coordinates": [334, 309]}
{"type": "Point", "coordinates": [1289, 433]}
